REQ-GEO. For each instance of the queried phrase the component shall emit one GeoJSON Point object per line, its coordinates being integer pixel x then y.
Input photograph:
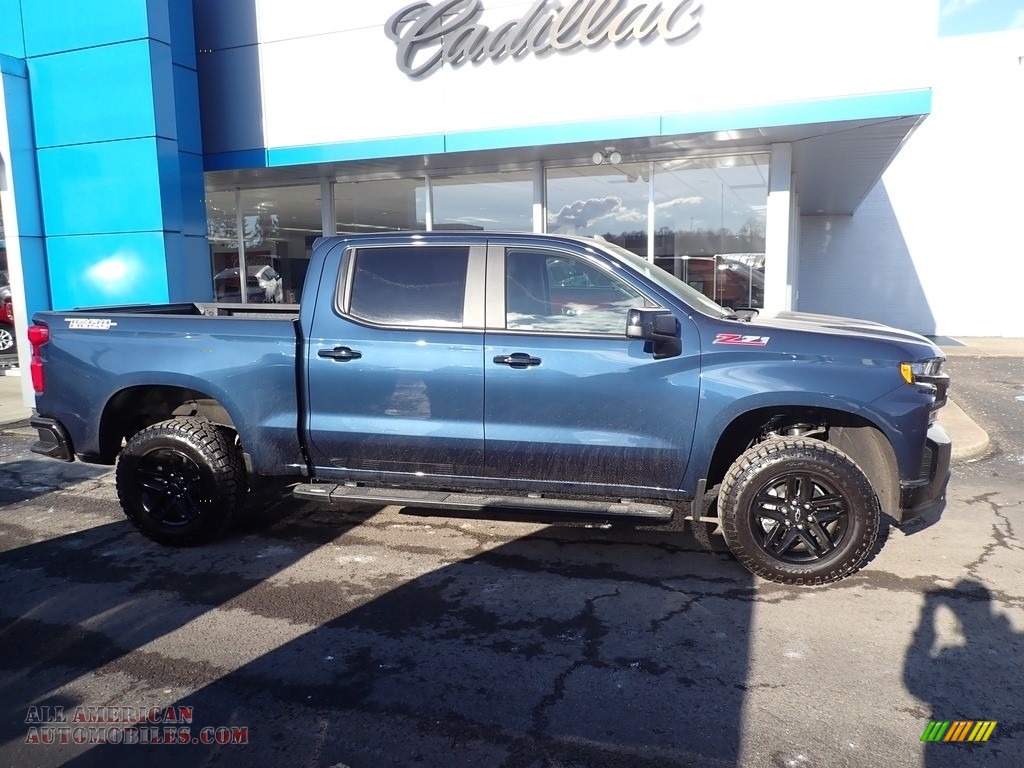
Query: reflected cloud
{"type": "Point", "coordinates": [583, 213]}
{"type": "Point", "coordinates": [680, 201]}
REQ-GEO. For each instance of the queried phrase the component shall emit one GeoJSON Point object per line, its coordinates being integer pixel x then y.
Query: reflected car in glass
{"type": "Point", "coordinates": [8, 340]}
{"type": "Point", "coordinates": [262, 285]}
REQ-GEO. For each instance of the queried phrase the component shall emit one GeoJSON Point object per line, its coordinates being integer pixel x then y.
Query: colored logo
{"type": "Point", "coordinates": [958, 730]}
{"type": "Point", "coordinates": [739, 340]}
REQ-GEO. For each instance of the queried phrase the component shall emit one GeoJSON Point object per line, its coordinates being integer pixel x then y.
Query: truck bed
{"type": "Point", "coordinates": [244, 356]}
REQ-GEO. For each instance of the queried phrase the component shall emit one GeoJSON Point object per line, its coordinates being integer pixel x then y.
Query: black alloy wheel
{"type": "Point", "coordinates": [798, 511]}
{"type": "Point", "coordinates": [182, 481]}
{"type": "Point", "coordinates": [171, 487]}
{"type": "Point", "coordinates": [800, 517]}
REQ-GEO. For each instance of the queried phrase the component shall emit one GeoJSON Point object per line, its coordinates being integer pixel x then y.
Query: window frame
{"type": "Point", "coordinates": [472, 300]}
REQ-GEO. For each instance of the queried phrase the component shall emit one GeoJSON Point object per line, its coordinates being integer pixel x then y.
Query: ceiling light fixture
{"type": "Point", "coordinates": [610, 155]}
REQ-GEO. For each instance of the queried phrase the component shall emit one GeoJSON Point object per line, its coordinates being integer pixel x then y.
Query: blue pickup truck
{"type": "Point", "coordinates": [477, 372]}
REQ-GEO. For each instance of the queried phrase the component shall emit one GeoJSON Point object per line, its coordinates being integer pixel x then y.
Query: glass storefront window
{"type": "Point", "coordinates": [709, 225]}
{"type": "Point", "coordinates": [705, 216]}
{"type": "Point", "coordinates": [604, 200]}
{"type": "Point", "coordinates": [489, 201]}
{"type": "Point", "coordinates": [279, 225]}
{"type": "Point", "coordinates": [380, 206]}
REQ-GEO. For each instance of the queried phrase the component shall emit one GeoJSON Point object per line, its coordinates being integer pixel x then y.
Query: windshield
{"type": "Point", "coordinates": [667, 280]}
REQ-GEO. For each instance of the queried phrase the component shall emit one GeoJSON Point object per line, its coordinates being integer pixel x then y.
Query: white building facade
{"type": "Point", "coordinates": [842, 158]}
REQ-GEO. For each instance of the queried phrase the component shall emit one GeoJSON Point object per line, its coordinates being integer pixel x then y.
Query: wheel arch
{"type": "Point", "coordinates": [860, 439]}
{"type": "Point", "coordinates": [134, 408]}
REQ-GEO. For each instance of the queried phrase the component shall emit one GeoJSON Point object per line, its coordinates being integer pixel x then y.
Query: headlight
{"type": "Point", "coordinates": [920, 369]}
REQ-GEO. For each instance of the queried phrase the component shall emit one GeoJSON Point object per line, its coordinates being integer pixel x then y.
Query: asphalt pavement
{"type": "Point", "coordinates": [367, 637]}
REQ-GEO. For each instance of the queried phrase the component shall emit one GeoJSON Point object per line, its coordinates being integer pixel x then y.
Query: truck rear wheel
{"type": "Point", "coordinates": [182, 481]}
{"type": "Point", "coordinates": [798, 511]}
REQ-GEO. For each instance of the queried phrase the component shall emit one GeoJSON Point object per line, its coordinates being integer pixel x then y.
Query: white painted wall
{"type": "Point", "coordinates": [334, 57]}
{"type": "Point", "coordinates": [938, 246]}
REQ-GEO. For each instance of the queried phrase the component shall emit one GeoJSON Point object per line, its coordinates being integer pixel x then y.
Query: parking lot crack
{"type": "Point", "coordinates": [593, 632]}
{"type": "Point", "coordinates": [1002, 533]}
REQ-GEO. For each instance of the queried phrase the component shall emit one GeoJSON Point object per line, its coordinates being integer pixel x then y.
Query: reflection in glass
{"type": "Point", "coordinates": [709, 227]}
{"type": "Point", "coordinates": [380, 206]}
{"type": "Point", "coordinates": [609, 201]}
{"type": "Point", "coordinates": [410, 286]}
{"type": "Point", "coordinates": [279, 225]}
{"type": "Point", "coordinates": [490, 201]}
{"type": "Point", "coordinates": [548, 291]}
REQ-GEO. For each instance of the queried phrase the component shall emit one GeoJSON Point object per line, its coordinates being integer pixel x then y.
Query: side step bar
{"type": "Point", "coordinates": [476, 502]}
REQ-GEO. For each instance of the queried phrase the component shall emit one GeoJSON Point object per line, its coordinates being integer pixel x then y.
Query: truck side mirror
{"type": "Point", "coordinates": [658, 327]}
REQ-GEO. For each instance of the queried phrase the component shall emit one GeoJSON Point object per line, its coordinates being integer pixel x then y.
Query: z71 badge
{"type": "Point", "coordinates": [739, 340]}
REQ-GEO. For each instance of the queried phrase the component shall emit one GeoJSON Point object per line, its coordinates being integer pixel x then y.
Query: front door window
{"type": "Point", "coordinates": [560, 293]}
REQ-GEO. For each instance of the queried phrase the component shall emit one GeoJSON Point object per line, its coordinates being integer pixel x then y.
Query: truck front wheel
{"type": "Point", "coordinates": [181, 482]}
{"type": "Point", "coordinates": [798, 511]}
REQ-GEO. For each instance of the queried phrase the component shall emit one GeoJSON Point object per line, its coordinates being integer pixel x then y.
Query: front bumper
{"type": "Point", "coordinates": [924, 495]}
{"type": "Point", "coordinates": [53, 438]}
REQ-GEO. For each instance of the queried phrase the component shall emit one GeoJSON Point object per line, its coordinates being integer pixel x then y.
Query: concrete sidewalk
{"type": "Point", "coordinates": [969, 440]}
{"type": "Point", "coordinates": [12, 410]}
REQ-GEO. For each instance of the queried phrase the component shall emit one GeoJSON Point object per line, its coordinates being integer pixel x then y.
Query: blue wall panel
{"type": "Point", "coordinates": [93, 270]}
{"type": "Point", "coordinates": [162, 89]}
{"type": "Point", "coordinates": [108, 187]}
{"type": "Point", "coordinates": [193, 192]}
{"type": "Point", "coordinates": [108, 150]}
{"type": "Point", "coordinates": [12, 42]}
{"type": "Point", "coordinates": [168, 169]}
{"type": "Point", "coordinates": [188, 268]}
{"type": "Point", "coordinates": [183, 34]}
{"type": "Point", "coordinates": [186, 106]}
{"type": "Point", "coordinates": [232, 115]}
{"type": "Point", "coordinates": [76, 24]}
{"type": "Point", "coordinates": [36, 274]}
{"type": "Point", "coordinates": [97, 94]}
{"type": "Point", "coordinates": [224, 23]}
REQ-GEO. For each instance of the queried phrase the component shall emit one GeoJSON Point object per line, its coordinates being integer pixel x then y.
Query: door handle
{"type": "Point", "coordinates": [340, 353]}
{"type": "Point", "coordinates": [517, 360]}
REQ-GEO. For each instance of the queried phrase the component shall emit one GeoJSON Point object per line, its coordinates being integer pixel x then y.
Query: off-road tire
{"type": "Point", "coordinates": [181, 482]}
{"type": "Point", "coordinates": [824, 492]}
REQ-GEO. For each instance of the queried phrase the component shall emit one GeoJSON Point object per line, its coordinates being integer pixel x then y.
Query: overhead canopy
{"type": "Point", "coordinates": [841, 147]}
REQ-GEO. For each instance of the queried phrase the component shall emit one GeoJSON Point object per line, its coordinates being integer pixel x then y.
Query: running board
{"type": "Point", "coordinates": [475, 502]}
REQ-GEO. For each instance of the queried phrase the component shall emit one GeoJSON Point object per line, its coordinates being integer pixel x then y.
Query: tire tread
{"type": "Point", "coordinates": [212, 442]}
{"type": "Point", "coordinates": [762, 455]}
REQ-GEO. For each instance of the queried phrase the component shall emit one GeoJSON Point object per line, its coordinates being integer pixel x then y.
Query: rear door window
{"type": "Point", "coordinates": [409, 286]}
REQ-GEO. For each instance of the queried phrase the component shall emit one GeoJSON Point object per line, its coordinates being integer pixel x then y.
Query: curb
{"type": "Point", "coordinates": [969, 440]}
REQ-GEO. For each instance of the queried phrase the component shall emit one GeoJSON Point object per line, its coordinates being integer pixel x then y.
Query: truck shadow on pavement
{"type": "Point", "coordinates": [571, 646]}
{"type": "Point", "coordinates": [89, 600]}
{"type": "Point", "coordinates": [29, 478]}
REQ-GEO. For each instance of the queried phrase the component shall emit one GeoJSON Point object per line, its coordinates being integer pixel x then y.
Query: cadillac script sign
{"type": "Point", "coordinates": [454, 33]}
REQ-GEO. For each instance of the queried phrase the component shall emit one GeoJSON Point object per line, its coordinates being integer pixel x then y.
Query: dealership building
{"type": "Point", "coordinates": [840, 158]}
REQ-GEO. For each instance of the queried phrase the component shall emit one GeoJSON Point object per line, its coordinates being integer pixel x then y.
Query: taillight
{"type": "Point", "coordinates": [37, 336]}
{"type": "Point", "coordinates": [8, 311]}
